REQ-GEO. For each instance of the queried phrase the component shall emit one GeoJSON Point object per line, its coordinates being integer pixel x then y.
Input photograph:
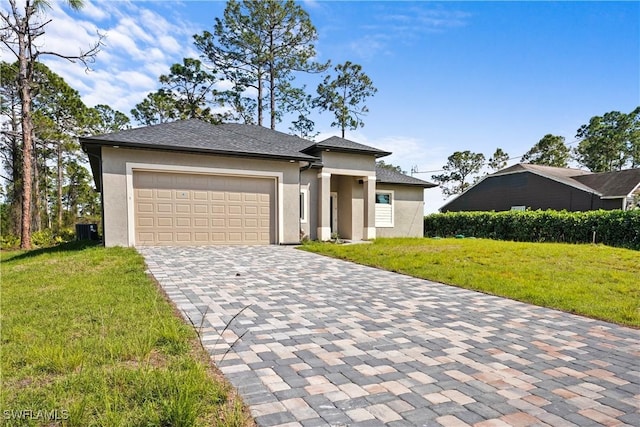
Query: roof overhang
{"type": "Point", "coordinates": [408, 184]}
{"type": "Point", "coordinates": [87, 142]}
{"type": "Point", "coordinates": [376, 153]}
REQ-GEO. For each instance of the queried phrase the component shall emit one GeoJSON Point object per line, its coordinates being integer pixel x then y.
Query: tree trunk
{"type": "Point", "coordinates": [27, 134]}
{"type": "Point", "coordinates": [59, 199]}
{"type": "Point", "coordinates": [272, 83]}
{"type": "Point", "coordinates": [36, 221]}
{"type": "Point", "coordinates": [16, 195]}
{"type": "Point", "coordinates": [260, 99]}
{"type": "Point", "coordinates": [343, 120]}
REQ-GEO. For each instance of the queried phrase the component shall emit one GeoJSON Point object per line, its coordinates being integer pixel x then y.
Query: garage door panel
{"type": "Point", "coordinates": [200, 195]}
{"type": "Point", "coordinates": [181, 208]}
{"type": "Point", "coordinates": [145, 207]}
{"type": "Point", "coordinates": [200, 222]}
{"type": "Point", "coordinates": [164, 208]}
{"type": "Point", "coordinates": [183, 222]}
{"type": "Point", "coordinates": [165, 222]}
{"type": "Point", "coordinates": [183, 237]}
{"type": "Point", "coordinates": [164, 194]}
{"type": "Point", "coordinates": [218, 223]}
{"type": "Point", "coordinates": [218, 209]}
{"type": "Point", "coordinates": [235, 222]}
{"type": "Point", "coordinates": [185, 209]}
{"type": "Point", "coordinates": [235, 236]}
{"type": "Point", "coordinates": [201, 237]}
{"type": "Point", "coordinates": [200, 209]}
{"type": "Point", "coordinates": [234, 209]}
{"type": "Point", "coordinates": [234, 197]}
{"type": "Point", "coordinates": [144, 193]}
{"type": "Point", "coordinates": [146, 237]}
{"type": "Point", "coordinates": [143, 221]}
{"type": "Point", "coordinates": [251, 210]}
{"type": "Point", "coordinates": [219, 237]}
{"type": "Point", "coordinates": [164, 237]}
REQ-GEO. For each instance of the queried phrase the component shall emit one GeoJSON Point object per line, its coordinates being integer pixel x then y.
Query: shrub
{"type": "Point", "coordinates": [43, 238]}
{"type": "Point", "coordinates": [9, 241]}
{"type": "Point", "coordinates": [613, 228]}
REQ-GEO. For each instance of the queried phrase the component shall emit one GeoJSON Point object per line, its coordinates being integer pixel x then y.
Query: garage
{"type": "Point", "coordinates": [197, 209]}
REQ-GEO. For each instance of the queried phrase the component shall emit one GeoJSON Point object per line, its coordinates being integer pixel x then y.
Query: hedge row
{"type": "Point", "coordinates": [613, 228]}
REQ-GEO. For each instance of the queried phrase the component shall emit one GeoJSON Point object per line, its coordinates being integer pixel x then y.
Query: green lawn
{"type": "Point", "coordinates": [593, 280]}
{"type": "Point", "coordinates": [89, 339]}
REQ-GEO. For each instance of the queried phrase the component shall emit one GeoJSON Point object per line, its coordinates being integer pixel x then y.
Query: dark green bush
{"type": "Point", "coordinates": [613, 228]}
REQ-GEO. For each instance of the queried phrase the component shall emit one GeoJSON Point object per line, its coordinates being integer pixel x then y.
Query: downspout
{"type": "Point", "coordinates": [101, 192]}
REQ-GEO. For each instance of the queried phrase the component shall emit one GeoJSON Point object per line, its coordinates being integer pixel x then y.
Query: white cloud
{"type": "Point", "coordinates": [94, 12]}
{"type": "Point", "coordinates": [370, 46]}
{"type": "Point", "coordinates": [390, 27]}
{"type": "Point", "coordinates": [139, 46]}
{"type": "Point", "coordinates": [169, 44]}
{"type": "Point", "coordinates": [136, 79]}
{"type": "Point", "coordinates": [117, 40]}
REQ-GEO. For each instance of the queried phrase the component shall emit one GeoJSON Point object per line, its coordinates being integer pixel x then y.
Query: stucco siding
{"type": "Point", "coordinates": [332, 160]}
{"type": "Point", "coordinates": [408, 211]}
{"type": "Point", "coordinates": [117, 199]}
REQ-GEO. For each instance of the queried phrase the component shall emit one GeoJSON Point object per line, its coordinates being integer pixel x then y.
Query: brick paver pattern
{"type": "Point", "coordinates": [314, 341]}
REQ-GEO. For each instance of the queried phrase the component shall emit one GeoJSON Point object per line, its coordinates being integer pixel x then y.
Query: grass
{"type": "Point", "coordinates": [88, 339]}
{"type": "Point", "coordinates": [592, 280]}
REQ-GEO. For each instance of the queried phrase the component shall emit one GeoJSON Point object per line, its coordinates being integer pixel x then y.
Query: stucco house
{"type": "Point", "coordinates": [192, 183]}
{"type": "Point", "coordinates": [527, 186]}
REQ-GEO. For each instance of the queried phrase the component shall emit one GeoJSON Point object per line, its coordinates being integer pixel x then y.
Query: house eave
{"type": "Point", "coordinates": [407, 184]}
{"type": "Point", "coordinates": [376, 153]}
{"type": "Point", "coordinates": [195, 150]}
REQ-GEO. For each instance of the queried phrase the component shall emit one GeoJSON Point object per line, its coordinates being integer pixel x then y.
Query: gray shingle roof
{"type": "Point", "coordinates": [340, 144]}
{"type": "Point", "coordinates": [388, 176]}
{"type": "Point", "coordinates": [607, 184]}
{"type": "Point", "coordinates": [613, 184]}
{"type": "Point", "coordinates": [563, 175]}
{"type": "Point", "coordinates": [198, 136]}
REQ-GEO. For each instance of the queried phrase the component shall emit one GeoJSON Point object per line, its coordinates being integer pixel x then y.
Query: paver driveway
{"type": "Point", "coordinates": [326, 342]}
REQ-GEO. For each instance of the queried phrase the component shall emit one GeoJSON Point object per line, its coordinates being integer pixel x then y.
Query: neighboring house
{"type": "Point", "coordinates": [193, 183]}
{"type": "Point", "coordinates": [544, 187]}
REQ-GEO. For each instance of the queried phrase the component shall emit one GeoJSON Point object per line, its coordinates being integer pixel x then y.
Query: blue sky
{"type": "Point", "coordinates": [451, 76]}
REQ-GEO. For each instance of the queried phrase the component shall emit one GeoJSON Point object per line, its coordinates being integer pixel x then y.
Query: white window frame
{"type": "Point", "coordinates": [392, 204]}
{"type": "Point", "coordinates": [304, 204]}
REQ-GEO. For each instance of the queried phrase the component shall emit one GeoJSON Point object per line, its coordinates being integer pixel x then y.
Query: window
{"type": "Point", "coordinates": [384, 209]}
{"type": "Point", "coordinates": [304, 208]}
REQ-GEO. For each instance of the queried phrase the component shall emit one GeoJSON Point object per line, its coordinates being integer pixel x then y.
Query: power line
{"type": "Point", "coordinates": [415, 170]}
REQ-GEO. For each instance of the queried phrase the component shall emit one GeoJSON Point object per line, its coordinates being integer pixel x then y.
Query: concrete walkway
{"type": "Point", "coordinates": [326, 342]}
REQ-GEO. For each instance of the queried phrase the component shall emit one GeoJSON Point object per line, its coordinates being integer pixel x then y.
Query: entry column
{"type": "Point", "coordinates": [324, 209]}
{"type": "Point", "coordinates": [369, 193]}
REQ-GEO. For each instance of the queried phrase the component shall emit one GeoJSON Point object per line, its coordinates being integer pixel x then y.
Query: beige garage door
{"type": "Point", "coordinates": [190, 209]}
